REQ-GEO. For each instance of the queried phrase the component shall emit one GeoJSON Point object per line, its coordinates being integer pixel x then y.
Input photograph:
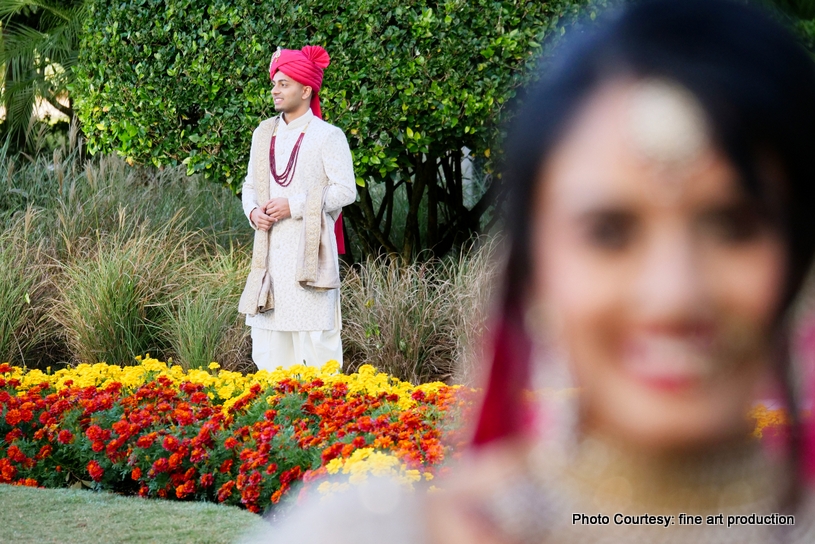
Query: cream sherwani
{"type": "Point", "coordinates": [305, 323]}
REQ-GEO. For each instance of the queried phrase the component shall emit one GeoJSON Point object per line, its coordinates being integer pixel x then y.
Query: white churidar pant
{"type": "Point", "coordinates": [271, 349]}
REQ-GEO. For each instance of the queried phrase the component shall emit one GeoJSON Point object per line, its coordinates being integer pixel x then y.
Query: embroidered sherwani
{"type": "Point", "coordinates": [324, 160]}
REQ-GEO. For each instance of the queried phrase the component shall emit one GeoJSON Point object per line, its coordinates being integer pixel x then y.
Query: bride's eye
{"type": "Point", "coordinates": [610, 230]}
{"type": "Point", "coordinates": [734, 225]}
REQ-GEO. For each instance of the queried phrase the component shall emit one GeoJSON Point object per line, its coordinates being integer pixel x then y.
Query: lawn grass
{"type": "Point", "coordinates": [67, 516]}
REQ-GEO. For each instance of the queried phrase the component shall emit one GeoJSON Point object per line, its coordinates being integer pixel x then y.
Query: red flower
{"type": "Point", "coordinates": [15, 454]}
{"type": "Point", "coordinates": [146, 441]}
{"type": "Point", "coordinates": [45, 451]}
{"type": "Point", "coordinates": [226, 466]}
{"type": "Point", "coordinates": [97, 433]}
{"type": "Point", "coordinates": [7, 471]}
{"type": "Point", "coordinates": [185, 489]}
{"type": "Point", "coordinates": [230, 443]}
{"type": "Point", "coordinates": [13, 417]}
{"type": "Point", "coordinates": [287, 476]}
{"type": "Point", "coordinates": [225, 491]}
{"type": "Point", "coordinates": [95, 470]}
{"type": "Point", "coordinates": [170, 443]}
{"type": "Point", "coordinates": [175, 460]}
{"type": "Point", "coordinates": [98, 446]}
{"type": "Point", "coordinates": [161, 465]}
{"type": "Point", "coordinates": [198, 455]}
{"type": "Point", "coordinates": [135, 474]}
{"type": "Point", "coordinates": [65, 436]}
{"type": "Point", "coordinates": [28, 482]}
{"type": "Point", "coordinates": [207, 479]}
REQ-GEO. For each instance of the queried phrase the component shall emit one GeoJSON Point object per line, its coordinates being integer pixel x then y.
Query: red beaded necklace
{"type": "Point", "coordinates": [285, 178]}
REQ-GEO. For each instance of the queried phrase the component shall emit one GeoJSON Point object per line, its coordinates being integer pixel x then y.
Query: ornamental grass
{"type": "Point", "coordinates": [421, 321]}
{"type": "Point", "coordinates": [100, 259]}
{"type": "Point", "coordinates": [155, 430]}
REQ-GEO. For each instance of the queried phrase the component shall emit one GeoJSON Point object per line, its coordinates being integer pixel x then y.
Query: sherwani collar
{"type": "Point", "coordinates": [297, 123]}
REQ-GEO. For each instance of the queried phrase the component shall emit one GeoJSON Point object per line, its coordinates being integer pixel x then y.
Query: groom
{"type": "Point", "coordinates": [300, 175]}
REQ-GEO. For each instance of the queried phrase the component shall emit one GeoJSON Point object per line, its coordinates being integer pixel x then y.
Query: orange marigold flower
{"type": "Point", "coordinates": [226, 466]}
{"type": "Point", "coordinates": [16, 454]}
{"type": "Point", "coordinates": [383, 442]}
{"type": "Point", "coordinates": [170, 443]}
{"type": "Point", "coordinates": [146, 441]}
{"type": "Point", "coordinates": [7, 471]}
{"type": "Point", "coordinates": [95, 470]}
{"type": "Point", "coordinates": [175, 460]}
{"type": "Point", "coordinates": [135, 474]}
{"type": "Point", "coordinates": [287, 476]}
{"type": "Point", "coordinates": [45, 451]}
{"type": "Point", "coordinates": [198, 455]}
{"type": "Point", "coordinates": [279, 493]}
{"type": "Point", "coordinates": [161, 465]}
{"type": "Point", "coordinates": [225, 491]}
{"type": "Point", "coordinates": [96, 433]}
{"type": "Point", "coordinates": [13, 417]}
{"type": "Point", "coordinates": [185, 489]}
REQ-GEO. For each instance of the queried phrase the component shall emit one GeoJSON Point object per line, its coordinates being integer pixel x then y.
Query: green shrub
{"type": "Point", "coordinates": [412, 83]}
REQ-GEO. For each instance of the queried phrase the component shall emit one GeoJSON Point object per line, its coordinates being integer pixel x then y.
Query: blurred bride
{"type": "Point", "coordinates": [662, 218]}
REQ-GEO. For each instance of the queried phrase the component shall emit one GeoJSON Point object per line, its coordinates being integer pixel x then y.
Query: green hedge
{"type": "Point", "coordinates": [186, 81]}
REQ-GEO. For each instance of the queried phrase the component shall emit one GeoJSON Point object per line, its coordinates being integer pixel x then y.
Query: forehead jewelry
{"type": "Point", "coordinates": [667, 127]}
{"type": "Point", "coordinates": [275, 56]}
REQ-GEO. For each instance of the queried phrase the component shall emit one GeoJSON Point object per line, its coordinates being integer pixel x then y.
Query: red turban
{"type": "Point", "coordinates": [304, 66]}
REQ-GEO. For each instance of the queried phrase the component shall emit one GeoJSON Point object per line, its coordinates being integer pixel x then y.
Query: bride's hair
{"type": "Point", "coordinates": [756, 85]}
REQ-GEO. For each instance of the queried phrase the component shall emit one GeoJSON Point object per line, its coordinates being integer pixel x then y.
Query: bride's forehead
{"type": "Point", "coordinates": [640, 140]}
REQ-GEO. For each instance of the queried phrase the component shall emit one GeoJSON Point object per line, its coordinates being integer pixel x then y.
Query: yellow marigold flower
{"type": "Point", "coordinates": [214, 366]}
{"type": "Point", "coordinates": [334, 466]}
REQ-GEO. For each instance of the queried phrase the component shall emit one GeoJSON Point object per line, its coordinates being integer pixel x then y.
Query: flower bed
{"type": "Point", "coordinates": [158, 431]}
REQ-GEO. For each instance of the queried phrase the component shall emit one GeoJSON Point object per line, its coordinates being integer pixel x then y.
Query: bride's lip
{"type": "Point", "coordinates": [669, 362]}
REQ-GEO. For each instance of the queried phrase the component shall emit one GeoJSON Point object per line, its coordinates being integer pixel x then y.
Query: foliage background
{"type": "Point", "coordinates": [412, 84]}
